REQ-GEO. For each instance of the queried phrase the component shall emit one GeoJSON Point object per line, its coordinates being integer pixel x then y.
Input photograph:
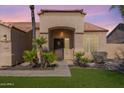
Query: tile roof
{"type": "Point", "coordinates": [26, 26]}
{"type": "Point", "coordinates": [88, 27]}
{"type": "Point", "coordinates": [6, 24]}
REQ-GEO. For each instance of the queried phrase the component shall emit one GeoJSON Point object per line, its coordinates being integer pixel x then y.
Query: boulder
{"type": "Point", "coordinates": [91, 64]}
{"type": "Point", "coordinates": [115, 65]}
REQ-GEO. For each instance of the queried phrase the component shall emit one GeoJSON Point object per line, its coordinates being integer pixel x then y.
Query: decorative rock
{"type": "Point", "coordinates": [91, 64]}
{"type": "Point", "coordinates": [116, 65]}
{"type": "Point", "coordinates": [111, 66]}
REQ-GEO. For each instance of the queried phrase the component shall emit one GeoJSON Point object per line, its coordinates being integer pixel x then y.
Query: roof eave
{"type": "Point", "coordinates": [43, 11]}
{"type": "Point", "coordinates": [114, 30]}
{"type": "Point", "coordinates": [96, 30]}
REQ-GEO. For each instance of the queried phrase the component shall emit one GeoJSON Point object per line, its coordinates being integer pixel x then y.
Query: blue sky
{"type": "Point", "coordinates": [96, 14]}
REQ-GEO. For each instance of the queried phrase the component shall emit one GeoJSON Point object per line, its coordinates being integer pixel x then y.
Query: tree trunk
{"type": "Point", "coordinates": [33, 23]}
{"type": "Point", "coordinates": [39, 55]}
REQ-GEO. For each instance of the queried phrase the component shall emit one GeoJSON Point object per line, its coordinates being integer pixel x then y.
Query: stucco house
{"type": "Point", "coordinates": [12, 44]}
{"type": "Point", "coordinates": [65, 30]}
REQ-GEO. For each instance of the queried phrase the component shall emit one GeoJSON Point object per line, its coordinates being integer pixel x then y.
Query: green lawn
{"type": "Point", "coordinates": [80, 78]}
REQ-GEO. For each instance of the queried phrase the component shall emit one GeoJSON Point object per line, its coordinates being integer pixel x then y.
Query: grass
{"type": "Point", "coordinates": [81, 78]}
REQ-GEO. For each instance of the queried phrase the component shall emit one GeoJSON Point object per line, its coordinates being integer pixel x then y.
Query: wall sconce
{"type": "Point", "coordinates": [4, 37]}
{"type": "Point", "coordinates": [61, 34]}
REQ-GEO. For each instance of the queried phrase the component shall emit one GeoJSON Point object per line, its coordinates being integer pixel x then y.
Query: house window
{"type": "Point", "coordinates": [91, 43]}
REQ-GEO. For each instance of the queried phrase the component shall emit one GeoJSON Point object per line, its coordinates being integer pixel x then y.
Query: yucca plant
{"type": "Point", "coordinates": [29, 56]}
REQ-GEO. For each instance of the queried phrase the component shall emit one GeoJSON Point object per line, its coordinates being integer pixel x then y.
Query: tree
{"type": "Point", "coordinates": [121, 9]}
{"type": "Point", "coordinates": [33, 22]}
{"type": "Point", "coordinates": [39, 46]}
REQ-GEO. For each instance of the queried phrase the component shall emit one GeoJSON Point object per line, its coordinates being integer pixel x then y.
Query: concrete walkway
{"type": "Point", "coordinates": [61, 71]}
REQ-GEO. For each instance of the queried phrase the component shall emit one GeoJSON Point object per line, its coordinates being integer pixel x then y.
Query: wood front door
{"type": "Point", "coordinates": [59, 48]}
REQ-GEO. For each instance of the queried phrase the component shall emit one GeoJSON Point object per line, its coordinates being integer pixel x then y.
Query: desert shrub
{"type": "Point", "coordinates": [85, 60]}
{"type": "Point", "coordinates": [81, 60]}
{"type": "Point", "coordinates": [29, 56]}
{"type": "Point", "coordinates": [49, 57]}
{"type": "Point", "coordinates": [78, 55]}
{"type": "Point", "coordinates": [99, 57]}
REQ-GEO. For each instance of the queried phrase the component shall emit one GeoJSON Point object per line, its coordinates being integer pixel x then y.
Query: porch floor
{"type": "Point", "coordinates": [62, 70]}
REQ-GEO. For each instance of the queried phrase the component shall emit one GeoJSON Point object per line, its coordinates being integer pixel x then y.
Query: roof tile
{"type": "Point", "coordinates": [26, 26]}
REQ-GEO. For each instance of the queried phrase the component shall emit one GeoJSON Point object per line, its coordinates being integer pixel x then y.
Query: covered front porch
{"type": "Point", "coordinates": [61, 42]}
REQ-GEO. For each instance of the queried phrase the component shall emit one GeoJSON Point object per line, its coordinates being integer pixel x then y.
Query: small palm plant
{"type": "Point", "coordinates": [40, 41]}
{"type": "Point", "coordinates": [39, 47]}
{"type": "Point", "coordinates": [49, 58]}
{"type": "Point", "coordinates": [29, 56]}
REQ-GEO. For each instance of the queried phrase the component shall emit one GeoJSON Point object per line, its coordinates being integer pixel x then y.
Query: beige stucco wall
{"type": "Point", "coordinates": [78, 42]}
{"type": "Point", "coordinates": [101, 36]}
{"type": "Point", "coordinates": [5, 54]}
{"type": "Point", "coordinates": [113, 49]}
{"type": "Point", "coordinates": [101, 39]}
{"type": "Point", "coordinates": [5, 31]}
{"type": "Point", "coordinates": [48, 20]}
{"type": "Point", "coordinates": [55, 19]}
{"type": "Point", "coordinates": [5, 47]}
{"type": "Point", "coordinates": [37, 32]}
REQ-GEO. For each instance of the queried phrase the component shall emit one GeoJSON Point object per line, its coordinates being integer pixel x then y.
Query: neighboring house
{"type": "Point", "coordinates": [12, 44]}
{"type": "Point", "coordinates": [15, 37]}
{"type": "Point", "coordinates": [115, 42]}
{"type": "Point", "coordinates": [65, 31]}
{"type": "Point", "coordinates": [117, 35]}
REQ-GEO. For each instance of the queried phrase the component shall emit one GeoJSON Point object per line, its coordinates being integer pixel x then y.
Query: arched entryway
{"type": "Point", "coordinates": [61, 41]}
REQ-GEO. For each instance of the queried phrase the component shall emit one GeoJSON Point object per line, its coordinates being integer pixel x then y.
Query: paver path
{"type": "Point", "coordinates": [61, 71]}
